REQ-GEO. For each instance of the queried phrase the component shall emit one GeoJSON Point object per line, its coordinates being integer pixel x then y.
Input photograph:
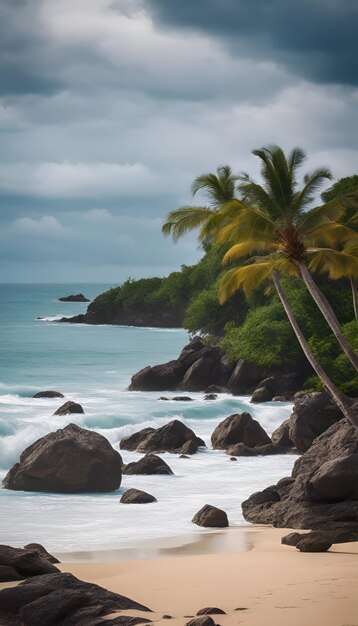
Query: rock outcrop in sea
{"type": "Point", "coordinates": [79, 297]}
{"type": "Point", "coordinates": [173, 437]}
{"type": "Point", "coordinates": [321, 493]}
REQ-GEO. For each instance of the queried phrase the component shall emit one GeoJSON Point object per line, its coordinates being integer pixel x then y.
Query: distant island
{"type": "Point", "coordinates": [74, 298]}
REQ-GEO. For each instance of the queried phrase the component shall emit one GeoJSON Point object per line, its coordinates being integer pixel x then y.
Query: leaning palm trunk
{"type": "Point", "coordinates": [328, 313]}
{"type": "Point", "coordinates": [338, 397]}
{"type": "Point", "coordinates": [355, 298]}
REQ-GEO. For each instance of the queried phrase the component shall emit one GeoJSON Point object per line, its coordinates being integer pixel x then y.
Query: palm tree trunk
{"type": "Point", "coordinates": [328, 313]}
{"type": "Point", "coordinates": [337, 396]}
{"type": "Point", "coordinates": [355, 298]}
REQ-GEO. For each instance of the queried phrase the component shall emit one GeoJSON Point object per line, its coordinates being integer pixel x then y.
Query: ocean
{"type": "Point", "coordinates": [93, 365]}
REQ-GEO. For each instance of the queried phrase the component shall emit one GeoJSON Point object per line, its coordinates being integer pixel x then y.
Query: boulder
{"type": "Point", "coordinates": [281, 436]}
{"type": "Point", "coordinates": [68, 408]}
{"type": "Point", "coordinates": [135, 496]}
{"type": "Point", "coordinates": [37, 547]}
{"type": "Point", "coordinates": [205, 371]}
{"type": "Point", "coordinates": [244, 378]}
{"type": "Point", "coordinates": [211, 517]}
{"type": "Point", "coordinates": [69, 460]}
{"type": "Point", "coordinates": [25, 562]}
{"type": "Point", "coordinates": [163, 377]}
{"type": "Point", "coordinates": [149, 464]}
{"type": "Point", "coordinates": [261, 394]}
{"type": "Point", "coordinates": [310, 544]}
{"type": "Point", "coordinates": [210, 396]}
{"type": "Point", "coordinates": [240, 449]}
{"type": "Point", "coordinates": [173, 437]}
{"type": "Point", "coordinates": [322, 491]}
{"type": "Point", "coordinates": [79, 297]}
{"type": "Point", "coordinates": [48, 394]}
{"type": "Point", "coordinates": [202, 620]}
{"type": "Point", "coordinates": [280, 399]}
{"type": "Point", "coordinates": [132, 442]}
{"type": "Point", "coordinates": [312, 415]}
{"type": "Point", "coordinates": [8, 574]}
{"type": "Point", "coordinates": [239, 428]}
{"type": "Point", "coordinates": [56, 599]}
{"type": "Point", "coordinates": [291, 539]}
{"type": "Point", "coordinates": [216, 389]}
{"type": "Point", "coordinates": [182, 399]}
{"type": "Point", "coordinates": [211, 610]}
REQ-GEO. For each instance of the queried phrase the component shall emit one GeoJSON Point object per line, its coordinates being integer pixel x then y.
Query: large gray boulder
{"type": "Point", "coordinates": [312, 415]}
{"type": "Point", "coordinates": [244, 378]}
{"type": "Point", "coordinates": [322, 492]}
{"type": "Point", "coordinates": [173, 437]}
{"type": "Point", "coordinates": [239, 428]}
{"type": "Point", "coordinates": [26, 561]}
{"type": "Point", "coordinates": [68, 408]}
{"type": "Point", "coordinates": [69, 460]}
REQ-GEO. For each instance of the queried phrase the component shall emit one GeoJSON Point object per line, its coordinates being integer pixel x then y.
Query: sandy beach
{"type": "Point", "coordinates": [273, 584]}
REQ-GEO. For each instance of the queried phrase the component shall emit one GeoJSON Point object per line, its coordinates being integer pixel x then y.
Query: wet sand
{"type": "Point", "coordinates": [275, 584]}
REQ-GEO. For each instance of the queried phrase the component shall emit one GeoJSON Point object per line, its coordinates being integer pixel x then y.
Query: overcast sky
{"type": "Point", "coordinates": [109, 109]}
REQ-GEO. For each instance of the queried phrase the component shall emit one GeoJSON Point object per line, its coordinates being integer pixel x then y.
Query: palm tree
{"type": "Point", "coordinates": [219, 188]}
{"type": "Point", "coordinates": [279, 222]}
{"type": "Point", "coordinates": [253, 274]}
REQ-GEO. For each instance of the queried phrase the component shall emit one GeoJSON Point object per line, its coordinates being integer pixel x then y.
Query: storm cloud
{"type": "Point", "coordinates": [109, 109]}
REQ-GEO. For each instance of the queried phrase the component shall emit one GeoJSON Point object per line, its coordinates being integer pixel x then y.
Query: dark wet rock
{"type": "Point", "coordinates": [25, 562]}
{"type": "Point", "coordinates": [123, 620]}
{"type": "Point", "coordinates": [136, 496]}
{"type": "Point", "coordinates": [244, 378]}
{"type": "Point", "coordinates": [210, 396]}
{"type": "Point", "coordinates": [173, 437]}
{"type": "Point", "coordinates": [280, 399]}
{"type": "Point", "coordinates": [202, 620]}
{"type": "Point", "coordinates": [48, 394]}
{"type": "Point", "coordinates": [197, 367]}
{"type": "Point", "coordinates": [164, 398]}
{"type": "Point", "coordinates": [240, 449]}
{"type": "Point", "coordinates": [312, 415]}
{"type": "Point", "coordinates": [311, 544]}
{"type": "Point", "coordinates": [166, 616]}
{"type": "Point", "coordinates": [68, 408]}
{"type": "Point", "coordinates": [37, 547]}
{"type": "Point", "coordinates": [8, 574]}
{"type": "Point", "coordinates": [132, 442]}
{"type": "Point", "coordinates": [322, 491]}
{"type": "Point", "coordinates": [233, 458]}
{"type": "Point", "coordinates": [241, 608]}
{"type": "Point", "coordinates": [69, 460]}
{"type": "Point", "coordinates": [261, 394]}
{"type": "Point", "coordinates": [239, 428]}
{"type": "Point", "coordinates": [211, 610]}
{"type": "Point", "coordinates": [281, 436]}
{"type": "Point", "coordinates": [291, 539]}
{"type": "Point", "coordinates": [211, 517]}
{"type": "Point", "coordinates": [216, 389]}
{"type": "Point", "coordinates": [184, 456]}
{"type": "Point", "coordinates": [149, 464]}
{"type": "Point", "coordinates": [182, 399]}
{"type": "Point", "coordinates": [79, 297]}
{"type": "Point", "coordinates": [55, 598]}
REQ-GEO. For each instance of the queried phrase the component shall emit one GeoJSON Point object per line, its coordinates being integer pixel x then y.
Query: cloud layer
{"type": "Point", "coordinates": [109, 109]}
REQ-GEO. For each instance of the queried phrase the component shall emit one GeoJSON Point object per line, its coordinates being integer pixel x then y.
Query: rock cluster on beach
{"type": "Point", "coordinates": [61, 598]}
{"type": "Point", "coordinates": [206, 368]}
{"type": "Point", "coordinates": [69, 460]}
{"type": "Point", "coordinates": [322, 492]}
{"type": "Point", "coordinates": [19, 563]}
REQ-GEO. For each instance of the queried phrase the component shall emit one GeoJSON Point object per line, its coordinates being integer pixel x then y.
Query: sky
{"type": "Point", "coordinates": [110, 108]}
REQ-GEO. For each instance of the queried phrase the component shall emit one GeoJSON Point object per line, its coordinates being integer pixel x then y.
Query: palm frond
{"type": "Point", "coordinates": [296, 158]}
{"type": "Point", "coordinates": [337, 264]}
{"type": "Point", "coordinates": [184, 219]}
{"type": "Point", "coordinates": [248, 247]}
{"type": "Point", "coordinates": [247, 278]}
{"type": "Point", "coordinates": [330, 234]}
{"type": "Point", "coordinates": [312, 182]}
{"type": "Point", "coordinates": [329, 212]}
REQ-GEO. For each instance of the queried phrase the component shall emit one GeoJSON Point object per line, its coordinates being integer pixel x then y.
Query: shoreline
{"type": "Point", "coordinates": [275, 584]}
{"type": "Point", "coordinates": [235, 539]}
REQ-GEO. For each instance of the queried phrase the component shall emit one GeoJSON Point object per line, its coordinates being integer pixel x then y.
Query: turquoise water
{"type": "Point", "coordinates": [93, 365]}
